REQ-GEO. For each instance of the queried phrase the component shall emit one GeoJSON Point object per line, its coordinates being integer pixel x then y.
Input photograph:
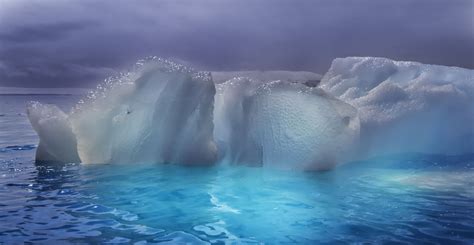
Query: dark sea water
{"type": "Point", "coordinates": [407, 198]}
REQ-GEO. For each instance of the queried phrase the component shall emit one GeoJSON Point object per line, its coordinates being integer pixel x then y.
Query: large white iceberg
{"type": "Point", "coordinates": [166, 113]}
{"type": "Point", "coordinates": [163, 112]}
{"type": "Point", "coordinates": [406, 106]}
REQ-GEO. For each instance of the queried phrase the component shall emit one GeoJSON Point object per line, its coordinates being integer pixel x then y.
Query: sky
{"type": "Point", "coordinates": [74, 43]}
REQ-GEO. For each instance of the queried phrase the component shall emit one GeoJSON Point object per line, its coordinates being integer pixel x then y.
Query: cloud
{"type": "Point", "coordinates": [42, 32]}
{"type": "Point", "coordinates": [78, 43]}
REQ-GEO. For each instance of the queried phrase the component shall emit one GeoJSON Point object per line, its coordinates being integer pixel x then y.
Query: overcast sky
{"type": "Point", "coordinates": [78, 43]}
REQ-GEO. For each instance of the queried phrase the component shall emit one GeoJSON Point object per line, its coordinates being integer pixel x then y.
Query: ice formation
{"type": "Point", "coordinates": [287, 125]}
{"type": "Point", "coordinates": [406, 106]}
{"type": "Point", "coordinates": [166, 113]}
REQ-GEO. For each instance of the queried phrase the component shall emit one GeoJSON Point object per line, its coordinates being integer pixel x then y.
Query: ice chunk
{"type": "Point", "coordinates": [407, 106]}
{"type": "Point", "coordinates": [57, 141]}
{"type": "Point", "coordinates": [159, 112]}
{"type": "Point", "coordinates": [283, 124]}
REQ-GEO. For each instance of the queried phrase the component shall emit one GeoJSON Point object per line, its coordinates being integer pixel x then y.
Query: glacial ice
{"type": "Point", "coordinates": [166, 113]}
{"type": "Point", "coordinates": [287, 125]}
{"type": "Point", "coordinates": [406, 106]}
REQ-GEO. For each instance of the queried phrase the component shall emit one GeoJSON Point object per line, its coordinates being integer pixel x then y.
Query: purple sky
{"type": "Point", "coordinates": [78, 43]}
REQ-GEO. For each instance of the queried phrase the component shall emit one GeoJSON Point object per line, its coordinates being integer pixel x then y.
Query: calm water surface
{"type": "Point", "coordinates": [411, 198]}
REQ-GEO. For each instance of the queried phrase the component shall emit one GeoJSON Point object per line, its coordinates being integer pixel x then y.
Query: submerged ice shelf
{"type": "Point", "coordinates": [167, 113]}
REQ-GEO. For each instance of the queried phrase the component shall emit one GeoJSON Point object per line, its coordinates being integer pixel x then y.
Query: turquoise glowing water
{"type": "Point", "coordinates": [410, 198]}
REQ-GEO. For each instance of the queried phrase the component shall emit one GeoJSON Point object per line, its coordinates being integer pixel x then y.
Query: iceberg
{"type": "Point", "coordinates": [406, 106]}
{"type": "Point", "coordinates": [163, 112]}
{"type": "Point", "coordinates": [167, 113]}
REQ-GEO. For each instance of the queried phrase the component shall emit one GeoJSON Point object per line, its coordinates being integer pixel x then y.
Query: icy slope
{"type": "Point", "coordinates": [407, 106]}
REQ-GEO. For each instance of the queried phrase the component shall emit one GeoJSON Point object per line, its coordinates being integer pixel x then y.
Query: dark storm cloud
{"type": "Point", "coordinates": [78, 43]}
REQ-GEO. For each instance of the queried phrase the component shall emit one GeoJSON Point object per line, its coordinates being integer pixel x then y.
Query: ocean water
{"type": "Point", "coordinates": [406, 198]}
